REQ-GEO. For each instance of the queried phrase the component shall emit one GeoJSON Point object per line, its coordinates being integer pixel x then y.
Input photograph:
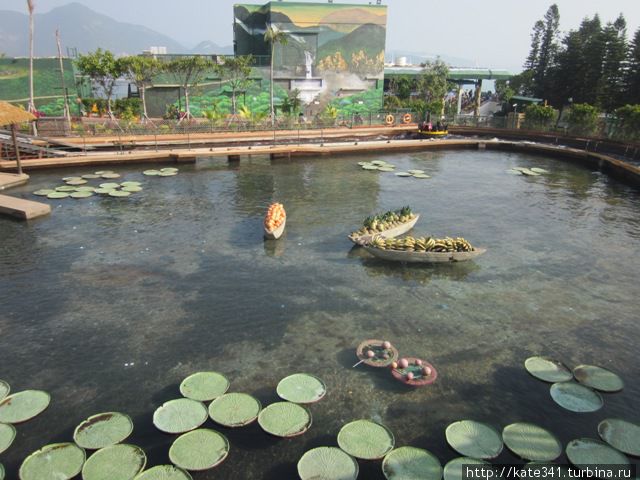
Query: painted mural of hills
{"type": "Point", "coordinates": [372, 37]}
{"type": "Point", "coordinates": [343, 20]}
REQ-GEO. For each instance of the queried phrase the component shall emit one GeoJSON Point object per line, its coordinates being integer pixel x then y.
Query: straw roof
{"type": "Point", "coordinates": [10, 115]}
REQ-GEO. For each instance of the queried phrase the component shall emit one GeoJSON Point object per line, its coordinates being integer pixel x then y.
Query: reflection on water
{"type": "Point", "coordinates": [109, 303]}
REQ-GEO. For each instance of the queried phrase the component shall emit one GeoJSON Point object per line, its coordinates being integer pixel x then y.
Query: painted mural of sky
{"type": "Point", "coordinates": [494, 33]}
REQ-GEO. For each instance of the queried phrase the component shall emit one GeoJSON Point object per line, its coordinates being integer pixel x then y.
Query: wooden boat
{"type": "Point", "coordinates": [434, 133]}
{"type": "Point", "coordinates": [391, 233]}
{"type": "Point", "coordinates": [276, 233]}
{"type": "Point", "coordinates": [424, 257]}
{"type": "Point", "coordinates": [419, 378]}
{"type": "Point", "coordinates": [379, 359]}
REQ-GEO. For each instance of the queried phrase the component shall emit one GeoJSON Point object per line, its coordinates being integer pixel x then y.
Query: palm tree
{"type": "Point", "coordinates": [274, 35]}
{"type": "Point", "coordinates": [32, 106]}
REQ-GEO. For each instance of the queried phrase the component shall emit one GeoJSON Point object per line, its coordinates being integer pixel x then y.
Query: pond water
{"type": "Point", "coordinates": [109, 303]}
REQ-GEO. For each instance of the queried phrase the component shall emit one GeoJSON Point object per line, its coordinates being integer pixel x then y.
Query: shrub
{"type": "Point", "coordinates": [582, 119]}
{"type": "Point", "coordinates": [539, 116]}
{"type": "Point", "coordinates": [629, 122]}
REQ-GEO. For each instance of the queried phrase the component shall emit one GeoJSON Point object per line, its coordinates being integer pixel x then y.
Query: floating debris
{"type": "Point", "coordinates": [234, 409]}
{"type": "Point", "coordinates": [547, 369]}
{"type": "Point", "coordinates": [285, 419]}
{"type": "Point", "coordinates": [474, 439]}
{"type": "Point", "coordinates": [301, 388]}
{"type": "Point", "coordinates": [327, 463]}
{"type": "Point", "coordinates": [180, 415]}
{"type": "Point", "coordinates": [598, 378]}
{"type": "Point", "coordinates": [23, 406]}
{"type": "Point", "coordinates": [621, 435]}
{"type": "Point", "coordinates": [103, 430]}
{"type": "Point", "coordinates": [531, 442]}
{"type": "Point", "coordinates": [204, 386]}
{"type": "Point", "coordinates": [410, 463]}
{"type": "Point", "coordinates": [575, 397]}
{"type": "Point", "coordinates": [7, 435]}
{"type": "Point", "coordinates": [199, 450]}
{"type": "Point", "coordinates": [61, 461]}
{"type": "Point", "coordinates": [120, 461]}
{"type": "Point", "coordinates": [366, 439]}
{"type": "Point", "coordinates": [583, 452]}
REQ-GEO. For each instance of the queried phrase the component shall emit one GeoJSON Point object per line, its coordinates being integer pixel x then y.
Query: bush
{"type": "Point", "coordinates": [539, 116]}
{"type": "Point", "coordinates": [582, 119]}
{"type": "Point", "coordinates": [629, 122]}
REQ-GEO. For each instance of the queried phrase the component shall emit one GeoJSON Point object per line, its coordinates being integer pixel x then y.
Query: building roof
{"type": "Point", "coordinates": [10, 115]}
{"type": "Point", "coordinates": [454, 73]}
{"type": "Point", "coordinates": [519, 98]}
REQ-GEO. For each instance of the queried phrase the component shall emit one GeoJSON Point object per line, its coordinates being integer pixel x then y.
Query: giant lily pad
{"type": "Point", "coordinates": [81, 194]}
{"type": "Point", "coordinates": [122, 462]}
{"type": "Point", "coordinates": [547, 369]}
{"type": "Point", "coordinates": [301, 388]}
{"type": "Point", "coordinates": [576, 397]}
{"type": "Point", "coordinates": [90, 176]}
{"type": "Point", "coordinates": [234, 409]}
{"type": "Point", "coordinates": [598, 378]}
{"type": "Point", "coordinates": [131, 188]}
{"type": "Point", "coordinates": [1, 472]}
{"type": "Point", "coordinates": [588, 451]}
{"type": "Point", "coordinates": [199, 450]}
{"type": "Point", "coordinates": [167, 173]}
{"type": "Point", "coordinates": [109, 185]}
{"type": "Point", "coordinates": [43, 192]}
{"type": "Point", "coordinates": [7, 435]}
{"type": "Point", "coordinates": [403, 174]}
{"type": "Point", "coordinates": [151, 172]}
{"type": "Point", "coordinates": [4, 389]}
{"type": "Point", "coordinates": [76, 182]}
{"type": "Point", "coordinates": [23, 406]}
{"type": "Point", "coordinates": [327, 463]}
{"type": "Point", "coordinates": [179, 416]}
{"type": "Point", "coordinates": [414, 172]}
{"type": "Point", "coordinates": [102, 430]}
{"type": "Point", "coordinates": [539, 170]}
{"type": "Point", "coordinates": [365, 439]}
{"type": "Point", "coordinates": [621, 434]}
{"type": "Point", "coordinates": [85, 188]}
{"type": "Point", "coordinates": [474, 439]}
{"type": "Point", "coordinates": [110, 175]}
{"type": "Point", "coordinates": [69, 179]}
{"type": "Point", "coordinates": [164, 472]}
{"type": "Point", "coordinates": [285, 419]}
{"type": "Point", "coordinates": [453, 469]}
{"type": "Point", "coordinates": [421, 175]}
{"type": "Point", "coordinates": [204, 386]}
{"type": "Point", "coordinates": [60, 461]}
{"type": "Point", "coordinates": [57, 195]}
{"type": "Point", "coordinates": [386, 168]}
{"type": "Point", "coordinates": [169, 169]}
{"type": "Point", "coordinates": [103, 191]}
{"type": "Point", "coordinates": [66, 188]}
{"type": "Point", "coordinates": [118, 193]}
{"type": "Point", "coordinates": [369, 167]}
{"type": "Point", "coordinates": [531, 442]}
{"type": "Point", "coordinates": [130, 184]}
{"type": "Point", "coordinates": [410, 463]}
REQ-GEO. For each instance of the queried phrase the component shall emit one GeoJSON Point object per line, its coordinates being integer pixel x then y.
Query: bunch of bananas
{"type": "Point", "coordinates": [422, 244]}
{"type": "Point", "coordinates": [384, 221]}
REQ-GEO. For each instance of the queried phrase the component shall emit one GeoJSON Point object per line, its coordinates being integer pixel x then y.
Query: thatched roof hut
{"type": "Point", "coordinates": [10, 115]}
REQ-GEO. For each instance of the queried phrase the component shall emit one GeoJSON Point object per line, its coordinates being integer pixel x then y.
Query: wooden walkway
{"type": "Point", "coordinates": [22, 209]}
{"type": "Point", "coordinates": [8, 180]}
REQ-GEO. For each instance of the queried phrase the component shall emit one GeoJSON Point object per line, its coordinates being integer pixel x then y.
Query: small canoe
{"type": "Point", "coordinates": [391, 233]}
{"type": "Point", "coordinates": [275, 233]}
{"type": "Point", "coordinates": [424, 257]}
{"type": "Point", "coordinates": [419, 378]}
{"type": "Point", "coordinates": [433, 133]}
{"type": "Point", "coordinates": [383, 356]}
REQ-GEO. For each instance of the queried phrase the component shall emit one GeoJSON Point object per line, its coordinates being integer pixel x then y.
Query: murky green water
{"type": "Point", "coordinates": [109, 303]}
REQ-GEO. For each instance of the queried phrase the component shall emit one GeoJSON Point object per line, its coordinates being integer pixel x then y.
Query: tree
{"type": "Point", "coordinates": [32, 105]}
{"type": "Point", "coordinates": [103, 70]}
{"type": "Point", "coordinates": [189, 72]}
{"type": "Point", "coordinates": [235, 72]}
{"type": "Point", "coordinates": [273, 35]}
{"type": "Point", "coordinates": [432, 85]}
{"type": "Point", "coordinates": [613, 64]}
{"type": "Point", "coordinates": [544, 48]}
{"type": "Point", "coordinates": [633, 72]}
{"type": "Point", "coordinates": [140, 71]}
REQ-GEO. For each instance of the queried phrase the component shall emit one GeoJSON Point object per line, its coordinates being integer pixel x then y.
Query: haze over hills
{"type": "Point", "coordinates": [84, 29]}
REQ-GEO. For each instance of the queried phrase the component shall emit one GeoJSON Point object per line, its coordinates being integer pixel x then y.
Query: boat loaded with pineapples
{"type": "Point", "coordinates": [386, 225]}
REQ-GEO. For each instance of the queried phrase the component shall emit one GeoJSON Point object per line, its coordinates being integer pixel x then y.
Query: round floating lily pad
{"type": "Point", "coordinates": [103, 191]}
{"type": "Point", "coordinates": [204, 386]}
{"type": "Point", "coordinates": [301, 388]}
{"type": "Point", "coordinates": [1, 472]}
{"type": "Point", "coordinates": [118, 193]}
{"type": "Point", "coordinates": [588, 451]}
{"type": "Point", "coordinates": [576, 397]}
{"type": "Point", "coordinates": [169, 169]}
{"type": "Point", "coordinates": [164, 472]}
{"type": "Point", "coordinates": [234, 409]}
{"type": "Point", "coordinates": [110, 175]}
{"type": "Point", "coordinates": [76, 182]}
{"type": "Point", "coordinates": [453, 469]}
{"type": "Point", "coordinates": [66, 179]}
{"type": "Point", "coordinates": [82, 194]}
{"type": "Point", "coordinates": [23, 406]}
{"type": "Point", "coordinates": [7, 435]}
{"type": "Point", "coordinates": [598, 378]}
{"type": "Point", "coordinates": [530, 173]}
{"type": "Point", "coordinates": [66, 188]}
{"type": "Point", "coordinates": [110, 185]}
{"type": "Point", "coordinates": [130, 184]}
{"type": "Point", "coordinates": [365, 439]}
{"type": "Point", "coordinates": [369, 167]}
{"type": "Point", "coordinates": [531, 442]}
{"type": "Point", "coordinates": [180, 415]}
{"type": "Point", "coordinates": [90, 176]}
{"type": "Point", "coordinates": [403, 174]}
{"type": "Point", "coordinates": [539, 170]}
{"type": "Point", "coordinates": [380, 163]}
{"type": "Point", "coordinates": [59, 461]}
{"type": "Point", "coordinates": [410, 463]}
{"type": "Point", "coordinates": [327, 463]}
{"type": "Point", "coordinates": [131, 188]}
{"type": "Point", "coordinates": [386, 169]}
{"type": "Point", "coordinates": [413, 172]}
{"type": "Point", "coordinates": [4, 389]}
{"type": "Point", "coordinates": [58, 195]}
{"type": "Point", "coordinates": [199, 450]}
{"type": "Point", "coordinates": [547, 369]}
{"type": "Point", "coordinates": [285, 419]}
{"type": "Point", "coordinates": [102, 172]}
{"type": "Point", "coordinates": [363, 163]}
{"type": "Point", "coordinates": [474, 439]}
{"type": "Point", "coordinates": [621, 434]}
{"type": "Point", "coordinates": [102, 430]}
{"type": "Point", "coordinates": [43, 192]}
{"type": "Point", "coordinates": [85, 189]}
{"type": "Point", "coordinates": [151, 172]}
{"type": "Point", "coordinates": [513, 171]}
{"type": "Point", "coordinates": [167, 174]}
{"type": "Point", "coordinates": [122, 462]}
{"type": "Point", "coordinates": [420, 175]}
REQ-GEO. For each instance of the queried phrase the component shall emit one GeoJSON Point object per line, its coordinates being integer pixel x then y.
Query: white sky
{"type": "Point", "coordinates": [491, 33]}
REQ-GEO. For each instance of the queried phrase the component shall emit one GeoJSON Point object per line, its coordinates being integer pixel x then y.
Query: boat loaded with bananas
{"type": "Point", "coordinates": [423, 249]}
{"type": "Point", "coordinates": [386, 225]}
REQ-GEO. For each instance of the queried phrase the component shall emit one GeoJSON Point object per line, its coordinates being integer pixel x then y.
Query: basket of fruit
{"type": "Point", "coordinates": [376, 353]}
{"type": "Point", "coordinates": [414, 372]}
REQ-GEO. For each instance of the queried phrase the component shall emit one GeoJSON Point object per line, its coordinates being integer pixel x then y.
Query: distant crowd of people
{"type": "Point", "coordinates": [427, 126]}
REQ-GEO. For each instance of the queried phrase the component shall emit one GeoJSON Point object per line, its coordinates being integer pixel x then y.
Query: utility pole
{"type": "Point", "coordinates": [67, 112]}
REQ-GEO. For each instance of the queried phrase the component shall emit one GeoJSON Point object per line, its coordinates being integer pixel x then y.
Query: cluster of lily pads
{"type": "Point", "coordinates": [382, 166]}
{"type": "Point", "coordinates": [163, 172]}
{"type": "Point", "coordinates": [531, 172]}
{"type": "Point", "coordinates": [76, 187]}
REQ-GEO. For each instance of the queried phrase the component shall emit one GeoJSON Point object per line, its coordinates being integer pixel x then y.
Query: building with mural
{"type": "Point", "coordinates": [333, 54]}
